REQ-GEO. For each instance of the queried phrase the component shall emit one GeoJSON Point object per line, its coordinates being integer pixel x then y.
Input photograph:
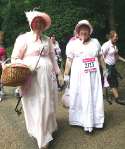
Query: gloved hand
{"type": "Point", "coordinates": [60, 79]}
{"type": "Point", "coordinates": [105, 72]}
{"type": "Point", "coordinates": [66, 78]}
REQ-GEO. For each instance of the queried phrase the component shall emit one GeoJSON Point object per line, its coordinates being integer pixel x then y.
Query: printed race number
{"type": "Point", "coordinates": [89, 65]}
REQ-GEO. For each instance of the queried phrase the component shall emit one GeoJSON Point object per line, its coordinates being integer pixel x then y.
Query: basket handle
{"type": "Point", "coordinates": [38, 59]}
{"type": "Point", "coordinates": [6, 61]}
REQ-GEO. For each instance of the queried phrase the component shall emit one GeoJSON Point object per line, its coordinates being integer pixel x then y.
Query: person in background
{"type": "Point", "coordinates": [85, 91]}
{"type": "Point", "coordinates": [57, 49]}
{"type": "Point", "coordinates": [2, 59]}
{"type": "Point", "coordinates": [58, 56]}
{"type": "Point", "coordinates": [39, 95]}
{"type": "Point", "coordinates": [111, 56]}
{"type": "Point", "coordinates": [74, 37]}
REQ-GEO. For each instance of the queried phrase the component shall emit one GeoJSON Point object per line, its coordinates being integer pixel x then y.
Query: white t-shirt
{"type": "Point", "coordinates": [109, 52]}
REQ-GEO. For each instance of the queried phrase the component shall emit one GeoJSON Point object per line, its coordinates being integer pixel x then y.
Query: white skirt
{"type": "Point", "coordinates": [39, 103]}
{"type": "Point", "coordinates": [86, 98]}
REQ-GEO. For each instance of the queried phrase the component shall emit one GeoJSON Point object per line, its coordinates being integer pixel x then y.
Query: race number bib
{"type": "Point", "coordinates": [89, 65]}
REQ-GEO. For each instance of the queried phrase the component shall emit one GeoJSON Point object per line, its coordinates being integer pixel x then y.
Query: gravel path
{"type": "Point", "coordinates": [13, 134]}
{"type": "Point", "coordinates": [111, 137]}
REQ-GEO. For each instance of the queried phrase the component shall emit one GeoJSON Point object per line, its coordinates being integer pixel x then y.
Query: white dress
{"type": "Point", "coordinates": [86, 98]}
{"type": "Point", "coordinates": [39, 97]}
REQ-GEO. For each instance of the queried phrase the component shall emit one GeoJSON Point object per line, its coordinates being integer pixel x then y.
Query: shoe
{"type": "Point", "coordinates": [109, 101]}
{"type": "Point", "coordinates": [88, 130]}
{"type": "Point", "coordinates": [89, 133]}
{"type": "Point", "coordinates": [120, 101]}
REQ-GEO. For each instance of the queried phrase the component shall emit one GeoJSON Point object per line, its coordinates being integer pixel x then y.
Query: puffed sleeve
{"type": "Point", "coordinates": [53, 58]}
{"type": "Point", "coordinates": [98, 47]}
{"type": "Point", "coordinates": [70, 50]}
{"type": "Point", "coordinates": [19, 49]}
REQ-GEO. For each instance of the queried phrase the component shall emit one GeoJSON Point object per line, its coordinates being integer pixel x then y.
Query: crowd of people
{"type": "Point", "coordinates": [85, 56]}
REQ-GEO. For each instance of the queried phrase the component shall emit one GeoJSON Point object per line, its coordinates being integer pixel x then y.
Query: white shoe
{"type": "Point", "coordinates": [89, 129]}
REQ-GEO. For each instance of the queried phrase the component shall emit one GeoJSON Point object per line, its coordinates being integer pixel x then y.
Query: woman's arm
{"type": "Point", "coordinates": [102, 62]}
{"type": "Point", "coordinates": [70, 56]}
{"type": "Point", "coordinates": [18, 50]}
{"type": "Point", "coordinates": [67, 66]}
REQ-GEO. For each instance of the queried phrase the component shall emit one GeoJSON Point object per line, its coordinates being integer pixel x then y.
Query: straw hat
{"type": "Point", "coordinates": [33, 14]}
{"type": "Point", "coordinates": [84, 22]}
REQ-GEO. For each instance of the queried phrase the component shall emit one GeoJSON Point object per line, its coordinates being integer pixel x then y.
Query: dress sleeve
{"type": "Point", "coordinates": [99, 47]}
{"type": "Point", "coordinates": [53, 58]}
{"type": "Point", "coordinates": [19, 49]}
{"type": "Point", "coordinates": [69, 50]}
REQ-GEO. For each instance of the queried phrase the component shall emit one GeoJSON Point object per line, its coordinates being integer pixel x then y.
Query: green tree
{"type": "Point", "coordinates": [104, 15]}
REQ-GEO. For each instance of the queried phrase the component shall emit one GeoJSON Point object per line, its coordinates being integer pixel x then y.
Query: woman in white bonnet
{"type": "Point", "coordinates": [39, 95]}
{"type": "Point", "coordinates": [86, 97]}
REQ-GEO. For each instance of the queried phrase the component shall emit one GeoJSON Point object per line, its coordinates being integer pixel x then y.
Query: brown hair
{"type": "Point", "coordinates": [111, 34]}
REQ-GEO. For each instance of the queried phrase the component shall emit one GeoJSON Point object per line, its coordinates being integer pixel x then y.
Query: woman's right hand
{"type": "Point", "coordinates": [4, 65]}
{"type": "Point", "coordinates": [66, 78]}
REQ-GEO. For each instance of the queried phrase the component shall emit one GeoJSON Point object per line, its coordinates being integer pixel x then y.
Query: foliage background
{"type": "Point", "coordinates": [104, 16]}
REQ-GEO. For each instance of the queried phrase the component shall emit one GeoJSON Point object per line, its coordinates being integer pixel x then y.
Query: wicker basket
{"type": "Point", "coordinates": [15, 75]}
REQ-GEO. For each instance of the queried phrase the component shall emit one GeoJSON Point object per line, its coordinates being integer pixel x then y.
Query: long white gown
{"type": "Point", "coordinates": [86, 98]}
{"type": "Point", "coordinates": [39, 95]}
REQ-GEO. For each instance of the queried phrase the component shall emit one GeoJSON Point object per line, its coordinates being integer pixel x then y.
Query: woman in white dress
{"type": "Point", "coordinates": [86, 97]}
{"type": "Point", "coordinates": [39, 94]}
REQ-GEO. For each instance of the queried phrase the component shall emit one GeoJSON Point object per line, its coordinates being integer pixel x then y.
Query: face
{"type": "Point", "coordinates": [53, 38]}
{"type": "Point", "coordinates": [38, 24]}
{"type": "Point", "coordinates": [114, 39]}
{"type": "Point", "coordinates": [84, 33]}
